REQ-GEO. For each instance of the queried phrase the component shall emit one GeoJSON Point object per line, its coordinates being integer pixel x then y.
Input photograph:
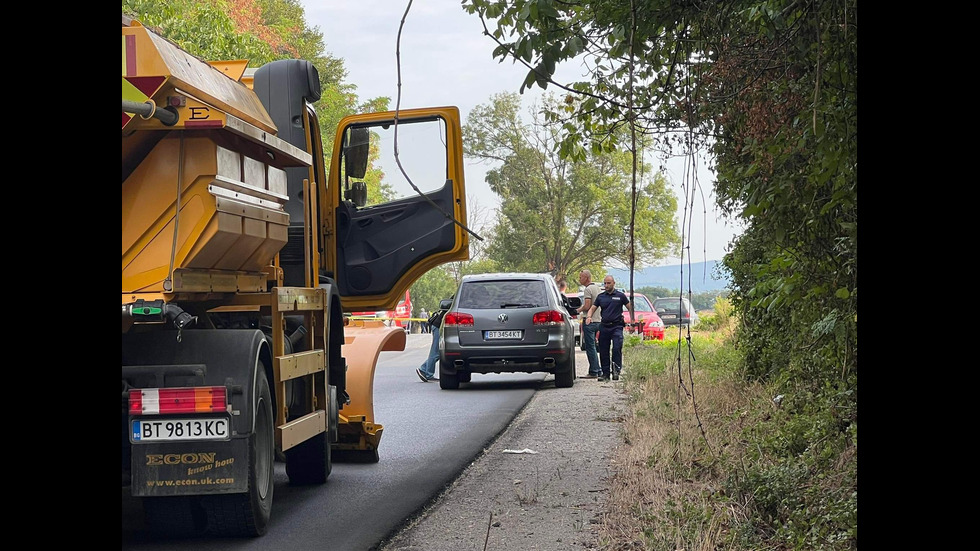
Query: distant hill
{"type": "Point", "coordinates": [700, 277]}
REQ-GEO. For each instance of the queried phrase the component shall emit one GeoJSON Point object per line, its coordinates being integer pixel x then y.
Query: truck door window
{"type": "Point", "coordinates": [421, 152]}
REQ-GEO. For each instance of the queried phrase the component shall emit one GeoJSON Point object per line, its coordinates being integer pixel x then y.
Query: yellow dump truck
{"type": "Point", "coordinates": [241, 254]}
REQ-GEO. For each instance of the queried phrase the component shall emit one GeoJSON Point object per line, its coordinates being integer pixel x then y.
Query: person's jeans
{"type": "Point", "coordinates": [428, 367]}
{"type": "Point", "coordinates": [613, 336]}
{"type": "Point", "coordinates": [588, 341]}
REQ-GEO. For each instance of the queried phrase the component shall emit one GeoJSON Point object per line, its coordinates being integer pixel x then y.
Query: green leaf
{"type": "Point", "coordinates": [529, 80]}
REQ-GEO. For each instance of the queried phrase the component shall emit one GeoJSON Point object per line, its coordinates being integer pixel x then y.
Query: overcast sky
{"type": "Point", "coordinates": [446, 60]}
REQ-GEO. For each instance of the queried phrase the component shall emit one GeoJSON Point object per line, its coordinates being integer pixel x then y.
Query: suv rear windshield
{"type": "Point", "coordinates": [521, 293]}
{"type": "Point", "coordinates": [670, 304]}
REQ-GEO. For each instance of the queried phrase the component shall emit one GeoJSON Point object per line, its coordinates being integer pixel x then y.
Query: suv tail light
{"type": "Point", "coordinates": [457, 318]}
{"type": "Point", "coordinates": [549, 317]}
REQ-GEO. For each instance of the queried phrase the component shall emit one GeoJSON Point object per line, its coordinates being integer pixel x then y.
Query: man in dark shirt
{"type": "Point", "coordinates": [611, 303]}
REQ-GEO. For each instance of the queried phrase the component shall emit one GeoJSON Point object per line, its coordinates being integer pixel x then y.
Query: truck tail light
{"type": "Point", "coordinates": [164, 401]}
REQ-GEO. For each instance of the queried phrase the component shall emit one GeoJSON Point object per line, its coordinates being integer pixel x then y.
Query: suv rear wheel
{"type": "Point", "coordinates": [565, 375]}
{"type": "Point", "coordinates": [447, 381]}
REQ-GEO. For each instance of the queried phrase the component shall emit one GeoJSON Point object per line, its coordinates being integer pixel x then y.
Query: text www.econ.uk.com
{"type": "Point", "coordinates": [204, 482]}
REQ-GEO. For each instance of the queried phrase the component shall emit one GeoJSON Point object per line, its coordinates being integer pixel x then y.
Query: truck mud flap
{"type": "Point", "coordinates": [188, 468]}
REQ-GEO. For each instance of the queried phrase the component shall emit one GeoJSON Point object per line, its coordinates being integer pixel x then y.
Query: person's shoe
{"type": "Point", "coordinates": [590, 376]}
{"type": "Point", "coordinates": [602, 379]}
{"type": "Point", "coordinates": [615, 375]}
{"type": "Point", "coordinates": [421, 375]}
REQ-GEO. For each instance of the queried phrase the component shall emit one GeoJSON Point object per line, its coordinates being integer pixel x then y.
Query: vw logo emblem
{"type": "Point", "coordinates": [502, 318]}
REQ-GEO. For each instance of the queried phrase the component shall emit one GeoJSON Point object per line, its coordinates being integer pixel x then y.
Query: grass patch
{"type": "Point", "coordinates": [713, 461]}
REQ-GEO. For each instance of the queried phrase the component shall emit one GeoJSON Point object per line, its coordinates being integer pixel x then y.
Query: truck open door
{"type": "Point", "coordinates": [413, 219]}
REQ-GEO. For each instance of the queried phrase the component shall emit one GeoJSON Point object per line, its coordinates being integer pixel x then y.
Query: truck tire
{"type": "Point", "coordinates": [565, 375]}
{"type": "Point", "coordinates": [248, 514]}
{"type": "Point", "coordinates": [173, 516]}
{"type": "Point", "coordinates": [310, 462]}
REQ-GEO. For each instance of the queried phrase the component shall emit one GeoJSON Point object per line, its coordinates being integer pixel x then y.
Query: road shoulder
{"type": "Point", "coordinates": [548, 496]}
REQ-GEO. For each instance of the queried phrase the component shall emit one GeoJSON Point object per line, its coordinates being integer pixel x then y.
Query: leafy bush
{"type": "Point", "coordinates": [721, 316]}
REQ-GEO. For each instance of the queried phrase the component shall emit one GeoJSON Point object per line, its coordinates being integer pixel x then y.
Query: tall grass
{"type": "Point", "coordinates": [713, 461]}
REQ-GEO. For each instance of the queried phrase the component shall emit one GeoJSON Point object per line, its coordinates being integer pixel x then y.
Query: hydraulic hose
{"type": "Point", "coordinates": [158, 311]}
{"type": "Point", "coordinates": [148, 110]}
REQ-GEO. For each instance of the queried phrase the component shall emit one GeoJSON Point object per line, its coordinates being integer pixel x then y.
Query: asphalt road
{"type": "Point", "coordinates": [430, 436]}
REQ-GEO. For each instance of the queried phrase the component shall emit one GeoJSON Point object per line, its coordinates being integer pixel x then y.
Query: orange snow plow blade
{"type": "Point", "coordinates": [358, 434]}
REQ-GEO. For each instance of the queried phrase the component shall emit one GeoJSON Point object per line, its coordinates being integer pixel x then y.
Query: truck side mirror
{"type": "Point", "coordinates": [357, 193]}
{"type": "Point", "coordinates": [356, 152]}
{"type": "Point", "coordinates": [445, 303]}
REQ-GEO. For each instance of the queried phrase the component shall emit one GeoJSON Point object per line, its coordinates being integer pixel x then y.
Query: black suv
{"type": "Point", "coordinates": [676, 311]}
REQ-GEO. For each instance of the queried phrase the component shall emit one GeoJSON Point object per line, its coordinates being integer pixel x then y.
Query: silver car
{"type": "Point", "coordinates": [507, 323]}
{"type": "Point", "coordinates": [575, 301]}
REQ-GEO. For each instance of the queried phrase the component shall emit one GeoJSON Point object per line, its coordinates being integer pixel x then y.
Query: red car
{"type": "Point", "coordinates": [402, 312]}
{"type": "Point", "coordinates": [398, 317]}
{"type": "Point", "coordinates": [647, 321]}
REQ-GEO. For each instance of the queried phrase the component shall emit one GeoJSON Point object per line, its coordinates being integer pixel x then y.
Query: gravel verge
{"type": "Point", "coordinates": [552, 499]}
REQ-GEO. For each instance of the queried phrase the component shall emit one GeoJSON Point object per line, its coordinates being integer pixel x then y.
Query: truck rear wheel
{"type": "Point", "coordinates": [173, 516]}
{"type": "Point", "coordinates": [248, 514]}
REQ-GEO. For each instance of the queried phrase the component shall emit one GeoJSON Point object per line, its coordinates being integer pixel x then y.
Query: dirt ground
{"type": "Point", "coordinates": [541, 485]}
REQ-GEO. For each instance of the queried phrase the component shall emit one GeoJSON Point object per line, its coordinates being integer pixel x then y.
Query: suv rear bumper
{"type": "Point", "coordinates": [503, 361]}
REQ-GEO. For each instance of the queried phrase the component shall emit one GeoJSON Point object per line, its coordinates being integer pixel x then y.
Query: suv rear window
{"type": "Point", "coordinates": [670, 304]}
{"type": "Point", "coordinates": [522, 293]}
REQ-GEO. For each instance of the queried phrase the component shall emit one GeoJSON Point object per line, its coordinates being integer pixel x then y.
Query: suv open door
{"type": "Point", "coordinates": [415, 216]}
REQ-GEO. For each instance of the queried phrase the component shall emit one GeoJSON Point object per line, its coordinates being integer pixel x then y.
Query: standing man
{"type": "Point", "coordinates": [427, 371]}
{"type": "Point", "coordinates": [611, 330]}
{"type": "Point", "coordinates": [590, 323]}
{"type": "Point", "coordinates": [424, 324]}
